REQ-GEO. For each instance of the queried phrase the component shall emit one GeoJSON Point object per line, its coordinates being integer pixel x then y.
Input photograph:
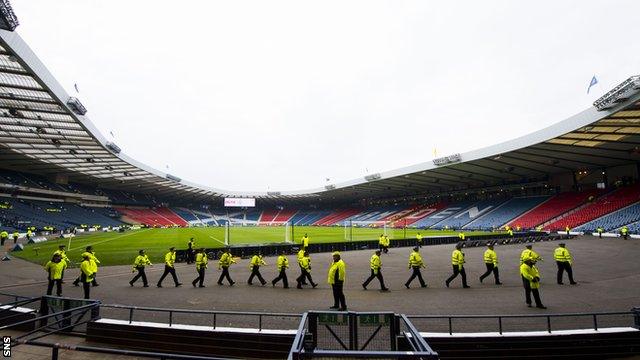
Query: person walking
{"type": "Point", "coordinates": [55, 269]}
{"type": "Point", "coordinates": [169, 267]}
{"type": "Point", "coordinates": [140, 262]}
{"type": "Point", "coordinates": [305, 241]}
{"type": "Point", "coordinates": [201, 261]}
{"type": "Point", "coordinates": [305, 268]}
{"type": "Point", "coordinates": [300, 256]}
{"type": "Point", "coordinates": [86, 274]}
{"type": "Point", "coordinates": [531, 282]}
{"type": "Point", "coordinates": [283, 265]}
{"type": "Point", "coordinates": [457, 262]}
{"type": "Point", "coordinates": [563, 259]}
{"type": "Point", "coordinates": [491, 262]}
{"type": "Point", "coordinates": [415, 264]}
{"type": "Point", "coordinates": [256, 262]}
{"type": "Point", "coordinates": [419, 239]}
{"type": "Point", "coordinates": [224, 263]}
{"type": "Point", "coordinates": [376, 271]}
{"type": "Point", "coordinates": [336, 278]}
{"type": "Point", "coordinates": [528, 253]}
{"type": "Point", "coordinates": [63, 256]}
{"type": "Point", "coordinates": [94, 265]}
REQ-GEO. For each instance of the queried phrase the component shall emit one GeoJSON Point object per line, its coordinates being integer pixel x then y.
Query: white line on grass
{"type": "Point", "coordinates": [114, 238]}
{"type": "Point", "coordinates": [216, 239]}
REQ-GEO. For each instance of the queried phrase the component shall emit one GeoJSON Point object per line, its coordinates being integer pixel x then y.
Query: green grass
{"type": "Point", "coordinates": [122, 248]}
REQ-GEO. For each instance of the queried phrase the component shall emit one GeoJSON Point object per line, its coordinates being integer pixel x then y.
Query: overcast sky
{"type": "Point", "coordinates": [281, 95]}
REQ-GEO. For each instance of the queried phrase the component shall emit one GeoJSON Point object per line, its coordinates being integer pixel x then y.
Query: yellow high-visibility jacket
{"type": "Point", "coordinates": [529, 254]}
{"type": "Point", "coordinates": [141, 261]}
{"type": "Point", "coordinates": [341, 268]}
{"type": "Point", "coordinates": [170, 258]}
{"type": "Point", "coordinates": [55, 269]}
{"type": "Point", "coordinates": [562, 254]}
{"type": "Point", "coordinates": [381, 240]}
{"type": "Point", "coordinates": [226, 260]}
{"type": "Point", "coordinates": [530, 273]}
{"type": "Point", "coordinates": [283, 262]}
{"type": "Point", "coordinates": [490, 257]}
{"type": "Point", "coordinates": [305, 263]}
{"type": "Point", "coordinates": [300, 255]}
{"type": "Point", "coordinates": [87, 270]}
{"type": "Point", "coordinates": [256, 260]}
{"type": "Point", "coordinates": [457, 258]}
{"type": "Point", "coordinates": [375, 263]}
{"type": "Point", "coordinates": [201, 260]}
{"type": "Point", "coordinates": [419, 237]}
{"type": "Point", "coordinates": [93, 260]}
{"type": "Point", "coordinates": [415, 260]}
{"type": "Point", "coordinates": [305, 241]}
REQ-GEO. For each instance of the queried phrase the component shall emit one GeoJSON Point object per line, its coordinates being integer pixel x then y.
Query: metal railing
{"type": "Point", "coordinates": [215, 314]}
{"type": "Point", "coordinates": [633, 314]}
{"type": "Point", "coordinates": [55, 351]}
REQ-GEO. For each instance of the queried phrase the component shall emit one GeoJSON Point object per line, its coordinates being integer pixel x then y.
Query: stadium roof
{"type": "Point", "coordinates": [44, 130]}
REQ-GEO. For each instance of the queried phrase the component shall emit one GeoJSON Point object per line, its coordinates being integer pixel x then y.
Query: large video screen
{"type": "Point", "coordinates": [239, 202]}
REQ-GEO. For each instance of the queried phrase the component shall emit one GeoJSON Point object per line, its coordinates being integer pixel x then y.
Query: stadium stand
{"type": "Point", "coordinates": [152, 217]}
{"type": "Point", "coordinates": [443, 214]}
{"type": "Point", "coordinates": [553, 207]}
{"type": "Point", "coordinates": [284, 215]}
{"type": "Point", "coordinates": [470, 213]}
{"type": "Point", "coordinates": [267, 216]}
{"type": "Point", "coordinates": [336, 217]}
{"type": "Point", "coordinates": [305, 218]}
{"type": "Point", "coordinates": [603, 205]}
{"type": "Point", "coordinates": [501, 215]}
{"type": "Point", "coordinates": [614, 220]}
{"type": "Point", "coordinates": [419, 213]}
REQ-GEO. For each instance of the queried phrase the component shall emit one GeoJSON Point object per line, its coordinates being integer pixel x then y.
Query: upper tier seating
{"type": "Point", "coordinates": [552, 208]}
{"type": "Point", "coordinates": [336, 217]}
{"type": "Point", "coordinates": [610, 202]}
{"type": "Point", "coordinates": [469, 214]}
{"type": "Point", "coordinates": [613, 220]}
{"type": "Point", "coordinates": [442, 214]}
{"type": "Point", "coordinates": [507, 211]}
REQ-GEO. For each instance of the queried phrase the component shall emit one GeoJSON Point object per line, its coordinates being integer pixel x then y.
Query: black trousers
{"type": "Point", "coordinates": [375, 274]}
{"type": "Point", "coordinates": [458, 270]}
{"type": "Point", "coordinates": [338, 296]}
{"type": "Point", "coordinates": [140, 274]}
{"type": "Point", "coordinates": [58, 283]}
{"type": "Point", "coordinates": [190, 257]}
{"type": "Point", "coordinates": [225, 274]}
{"type": "Point", "coordinates": [562, 267]}
{"type": "Point", "coordinates": [304, 275]}
{"type": "Point", "coordinates": [15, 240]}
{"type": "Point", "coordinates": [200, 278]}
{"type": "Point", "coordinates": [416, 274]}
{"type": "Point", "coordinates": [491, 269]}
{"type": "Point", "coordinates": [255, 271]}
{"type": "Point", "coordinates": [528, 291]}
{"type": "Point", "coordinates": [168, 270]}
{"type": "Point", "coordinates": [86, 285]}
{"type": "Point", "coordinates": [384, 249]}
{"type": "Point", "coordinates": [304, 280]}
{"type": "Point", "coordinates": [2, 240]}
{"type": "Point", "coordinates": [282, 276]}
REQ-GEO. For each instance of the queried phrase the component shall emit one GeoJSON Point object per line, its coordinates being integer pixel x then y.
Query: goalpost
{"type": "Point", "coordinates": [352, 227]}
{"type": "Point", "coordinates": [244, 231]}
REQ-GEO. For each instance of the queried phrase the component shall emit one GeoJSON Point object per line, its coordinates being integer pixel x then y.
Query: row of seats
{"type": "Point", "coordinates": [555, 206]}
{"type": "Point", "coordinates": [505, 212]}
{"type": "Point", "coordinates": [601, 206]}
{"type": "Point", "coordinates": [614, 220]}
{"type": "Point", "coordinates": [152, 217]}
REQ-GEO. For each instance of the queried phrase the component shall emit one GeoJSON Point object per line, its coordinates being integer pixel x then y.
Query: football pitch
{"type": "Point", "coordinates": [114, 248]}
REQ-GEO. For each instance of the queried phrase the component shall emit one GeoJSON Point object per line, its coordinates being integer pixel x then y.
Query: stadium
{"type": "Point", "coordinates": [63, 183]}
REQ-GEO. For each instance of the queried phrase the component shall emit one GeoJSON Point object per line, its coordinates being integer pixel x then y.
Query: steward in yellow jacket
{"type": "Point", "coordinates": [224, 263]}
{"type": "Point", "coordinates": [563, 259]}
{"type": "Point", "coordinates": [63, 257]}
{"type": "Point", "coordinates": [201, 265]}
{"type": "Point", "coordinates": [376, 271]}
{"type": "Point", "coordinates": [140, 262]}
{"type": "Point", "coordinates": [336, 277]}
{"type": "Point", "coordinates": [305, 271]}
{"type": "Point", "coordinates": [491, 262]}
{"type": "Point", "coordinates": [300, 256]}
{"type": "Point", "coordinates": [283, 265]}
{"type": "Point", "coordinates": [93, 260]}
{"type": "Point", "coordinates": [528, 253]}
{"type": "Point", "coordinates": [86, 275]}
{"type": "Point", "coordinates": [415, 264]}
{"type": "Point", "coordinates": [457, 262]}
{"type": "Point", "coordinates": [169, 268]}
{"type": "Point", "coordinates": [256, 262]}
{"type": "Point", "coordinates": [55, 269]}
{"type": "Point", "coordinates": [531, 281]}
